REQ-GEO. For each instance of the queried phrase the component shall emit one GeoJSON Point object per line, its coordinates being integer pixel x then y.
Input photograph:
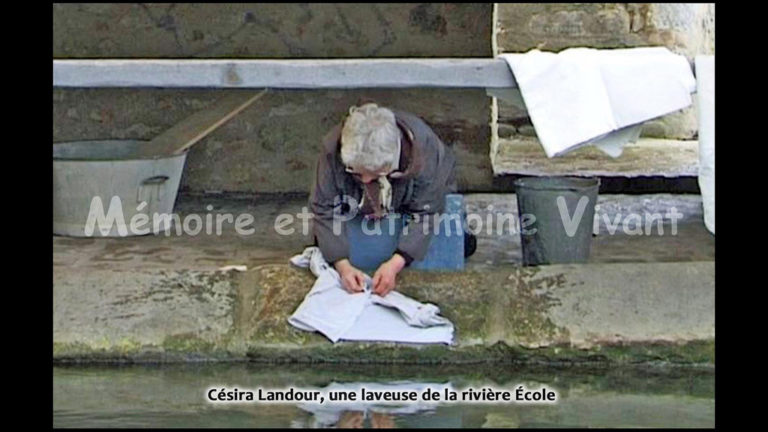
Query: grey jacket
{"type": "Point", "coordinates": [428, 175]}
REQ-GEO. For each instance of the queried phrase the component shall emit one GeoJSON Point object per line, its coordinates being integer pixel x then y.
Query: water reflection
{"type": "Point", "coordinates": [354, 414]}
{"type": "Point", "coordinates": [346, 419]}
{"type": "Point", "coordinates": [173, 396]}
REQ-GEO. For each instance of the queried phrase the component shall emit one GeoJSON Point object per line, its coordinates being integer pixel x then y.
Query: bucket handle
{"type": "Point", "coordinates": [152, 181]}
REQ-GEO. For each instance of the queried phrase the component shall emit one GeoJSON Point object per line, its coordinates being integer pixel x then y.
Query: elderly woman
{"type": "Point", "coordinates": [380, 161]}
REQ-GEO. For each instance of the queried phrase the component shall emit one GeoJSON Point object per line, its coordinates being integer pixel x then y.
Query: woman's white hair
{"type": "Point", "coordinates": [370, 138]}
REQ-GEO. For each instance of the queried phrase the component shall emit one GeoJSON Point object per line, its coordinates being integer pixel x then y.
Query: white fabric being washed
{"type": "Point", "coordinates": [583, 96]}
{"type": "Point", "coordinates": [339, 315]}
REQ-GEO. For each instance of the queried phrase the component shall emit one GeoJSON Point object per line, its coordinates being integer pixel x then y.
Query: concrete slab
{"type": "Point", "coordinates": [600, 304]}
{"type": "Point", "coordinates": [123, 310]}
{"type": "Point", "coordinates": [285, 73]}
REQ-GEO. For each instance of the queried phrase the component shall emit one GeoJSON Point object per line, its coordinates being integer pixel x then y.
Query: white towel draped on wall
{"type": "Point", "coordinates": [584, 96]}
{"type": "Point", "coordinates": [337, 314]}
{"type": "Point", "coordinates": [705, 95]}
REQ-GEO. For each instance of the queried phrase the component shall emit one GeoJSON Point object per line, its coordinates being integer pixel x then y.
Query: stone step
{"type": "Point", "coordinates": [586, 313]}
{"type": "Point", "coordinates": [648, 157]}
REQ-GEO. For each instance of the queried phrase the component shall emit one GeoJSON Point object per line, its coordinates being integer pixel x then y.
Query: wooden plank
{"type": "Point", "coordinates": [289, 73]}
{"type": "Point", "coordinates": [195, 127]}
{"type": "Point", "coordinates": [647, 157]}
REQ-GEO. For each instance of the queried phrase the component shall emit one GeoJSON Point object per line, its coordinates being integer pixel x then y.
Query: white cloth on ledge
{"type": "Point", "coordinates": [583, 96]}
{"type": "Point", "coordinates": [329, 309]}
{"type": "Point", "coordinates": [705, 82]}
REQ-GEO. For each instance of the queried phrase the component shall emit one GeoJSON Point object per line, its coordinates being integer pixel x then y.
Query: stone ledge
{"type": "Point", "coordinates": [696, 354]}
{"type": "Point", "coordinates": [562, 314]}
{"type": "Point", "coordinates": [646, 157]}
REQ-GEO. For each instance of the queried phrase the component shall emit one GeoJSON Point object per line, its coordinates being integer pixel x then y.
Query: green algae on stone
{"type": "Point", "coordinates": [691, 354]}
{"type": "Point", "coordinates": [465, 298]}
{"type": "Point", "coordinates": [187, 343]}
{"type": "Point", "coordinates": [487, 307]}
{"type": "Point", "coordinates": [695, 352]}
{"type": "Point", "coordinates": [269, 294]}
{"type": "Point", "coordinates": [186, 348]}
{"type": "Point", "coordinates": [528, 299]}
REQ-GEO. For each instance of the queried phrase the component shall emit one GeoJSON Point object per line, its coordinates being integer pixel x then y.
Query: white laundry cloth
{"type": "Point", "coordinates": [586, 96]}
{"type": "Point", "coordinates": [331, 310]}
{"type": "Point", "coordinates": [705, 95]}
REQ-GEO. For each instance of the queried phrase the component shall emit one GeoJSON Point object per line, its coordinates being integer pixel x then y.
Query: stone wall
{"type": "Point", "coordinates": [271, 147]}
{"type": "Point", "coordinates": [687, 29]}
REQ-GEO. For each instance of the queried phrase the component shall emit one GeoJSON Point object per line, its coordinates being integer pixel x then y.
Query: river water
{"type": "Point", "coordinates": [175, 396]}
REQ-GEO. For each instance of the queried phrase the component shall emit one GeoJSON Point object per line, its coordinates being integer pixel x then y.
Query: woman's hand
{"type": "Point", "coordinates": [352, 279]}
{"type": "Point", "coordinates": [384, 278]}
